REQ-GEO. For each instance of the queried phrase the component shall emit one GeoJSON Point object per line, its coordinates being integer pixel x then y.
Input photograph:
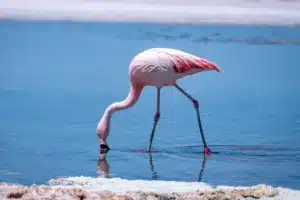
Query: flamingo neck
{"type": "Point", "coordinates": [131, 99]}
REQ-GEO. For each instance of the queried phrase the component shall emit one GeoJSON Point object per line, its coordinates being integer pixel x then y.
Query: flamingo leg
{"type": "Point", "coordinates": [196, 105]}
{"type": "Point", "coordinates": [156, 117]}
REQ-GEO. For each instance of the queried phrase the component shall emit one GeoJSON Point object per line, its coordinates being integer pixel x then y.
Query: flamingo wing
{"type": "Point", "coordinates": [183, 62]}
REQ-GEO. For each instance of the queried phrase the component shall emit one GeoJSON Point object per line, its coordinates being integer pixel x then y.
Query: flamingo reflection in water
{"type": "Point", "coordinates": [103, 167]}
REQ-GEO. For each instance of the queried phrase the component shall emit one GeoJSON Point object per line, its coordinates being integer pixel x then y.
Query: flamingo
{"type": "Point", "coordinates": [158, 67]}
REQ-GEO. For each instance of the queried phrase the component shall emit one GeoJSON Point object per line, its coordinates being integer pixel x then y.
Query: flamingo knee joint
{"type": "Point", "coordinates": [157, 116]}
{"type": "Point", "coordinates": [196, 103]}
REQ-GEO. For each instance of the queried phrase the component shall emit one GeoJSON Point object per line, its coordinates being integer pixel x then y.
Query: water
{"type": "Point", "coordinates": [57, 78]}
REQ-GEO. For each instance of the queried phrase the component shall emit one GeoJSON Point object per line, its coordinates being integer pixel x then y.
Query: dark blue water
{"type": "Point", "coordinates": [57, 78]}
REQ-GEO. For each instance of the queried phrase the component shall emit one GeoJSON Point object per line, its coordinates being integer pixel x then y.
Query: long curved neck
{"type": "Point", "coordinates": [133, 96]}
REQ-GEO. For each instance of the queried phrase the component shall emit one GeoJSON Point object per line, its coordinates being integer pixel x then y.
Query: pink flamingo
{"type": "Point", "coordinates": [157, 67]}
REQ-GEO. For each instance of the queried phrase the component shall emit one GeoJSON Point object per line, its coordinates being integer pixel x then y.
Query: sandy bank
{"type": "Point", "coordinates": [115, 188]}
{"type": "Point", "coordinates": [264, 12]}
{"type": "Point", "coordinates": [48, 192]}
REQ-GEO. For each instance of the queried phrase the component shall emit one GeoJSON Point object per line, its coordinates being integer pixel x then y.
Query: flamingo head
{"type": "Point", "coordinates": [103, 130]}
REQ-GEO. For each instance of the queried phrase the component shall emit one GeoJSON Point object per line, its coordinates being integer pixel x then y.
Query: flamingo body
{"type": "Point", "coordinates": [163, 67]}
{"type": "Point", "coordinates": [157, 67]}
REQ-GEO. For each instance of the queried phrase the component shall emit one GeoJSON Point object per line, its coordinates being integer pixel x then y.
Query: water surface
{"type": "Point", "coordinates": [57, 78]}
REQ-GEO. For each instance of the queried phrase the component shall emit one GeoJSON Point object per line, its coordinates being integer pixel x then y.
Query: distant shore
{"type": "Point", "coordinates": [264, 12]}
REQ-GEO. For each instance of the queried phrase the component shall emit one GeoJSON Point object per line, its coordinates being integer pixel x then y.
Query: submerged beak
{"type": "Point", "coordinates": [104, 148]}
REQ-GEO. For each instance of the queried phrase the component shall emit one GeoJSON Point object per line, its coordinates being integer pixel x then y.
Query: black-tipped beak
{"type": "Point", "coordinates": [104, 148]}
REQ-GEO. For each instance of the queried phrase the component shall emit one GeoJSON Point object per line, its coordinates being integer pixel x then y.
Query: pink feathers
{"type": "Point", "coordinates": [157, 67]}
{"type": "Point", "coordinates": [184, 65]}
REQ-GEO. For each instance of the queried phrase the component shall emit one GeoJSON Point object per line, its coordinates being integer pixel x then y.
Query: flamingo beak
{"type": "Point", "coordinates": [104, 149]}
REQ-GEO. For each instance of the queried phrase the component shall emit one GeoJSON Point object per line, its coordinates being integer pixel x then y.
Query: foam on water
{"type": "Point", "coordinates": [95, 188]}
{"type": "Point", "coordinates": [266, 12]}
{"type": "Point", "coordinates": [119, 185]}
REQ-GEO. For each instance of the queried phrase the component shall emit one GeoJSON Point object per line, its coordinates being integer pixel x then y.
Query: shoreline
{"type": "Point", "coordinates": [117, 189]}
{"type": "Point", "coordinates": [271, 12]}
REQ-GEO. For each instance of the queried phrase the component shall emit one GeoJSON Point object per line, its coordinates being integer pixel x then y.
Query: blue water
{"type": "Point", "coordinates": [57, 78]}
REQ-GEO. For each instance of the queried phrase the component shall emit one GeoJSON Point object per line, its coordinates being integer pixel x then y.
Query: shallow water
{"type": "Point", "coordinates": [56, 79]}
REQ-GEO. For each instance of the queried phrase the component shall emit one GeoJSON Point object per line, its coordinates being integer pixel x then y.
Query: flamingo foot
{"type": "Point", "coordinates": [207, 151]}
